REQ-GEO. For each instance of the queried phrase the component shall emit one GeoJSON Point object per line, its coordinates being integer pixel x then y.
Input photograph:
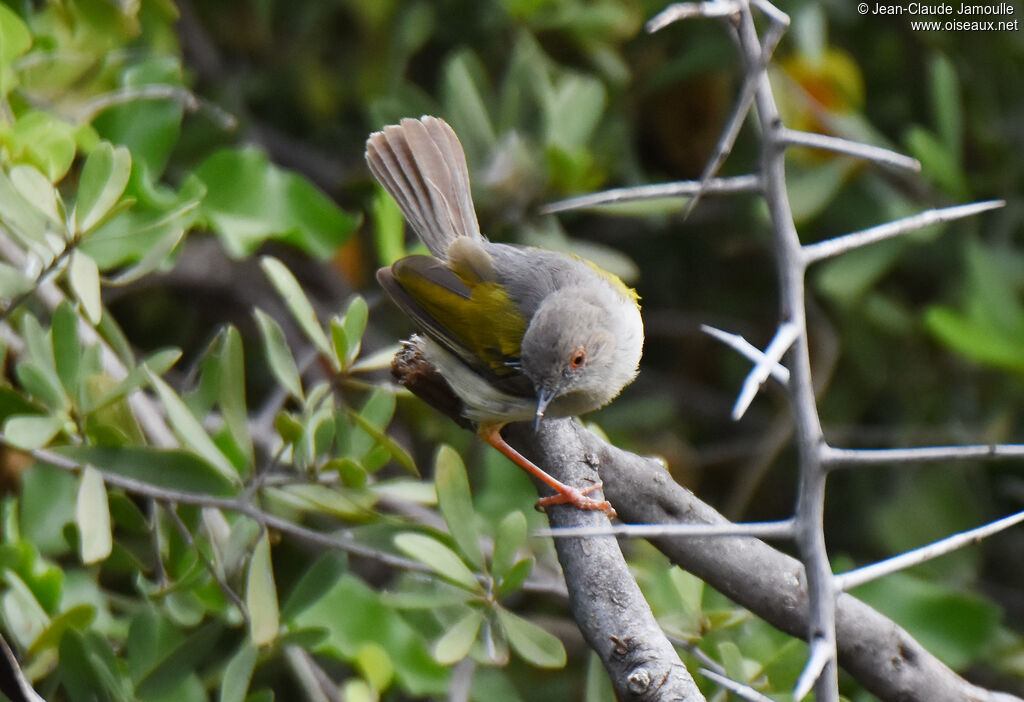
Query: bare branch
{"type": "Point", "coordinates": [746, 349]}
{"type": "Point", "coordinates": [821, 655]}
{"type": "Point", "coordinates": [156, 91]}
{"type": "Point", "coordinates": [751, 79]}
{"type": "Point", "coordinates": [684, 188]}
{"type": "Point", "coordinates": [853, 578]}
{"type": "Point", "coordinates": [686, 10]}
{"type": "Point", "coordinates": [843, 458]}
{"type": "Point", "coordinates": [742, 691]}
{"type": "Point", "coordinates": [768, 530]}
{"type": "Point", "coordinates": [884, 658]}
{"type": "Point", "coordinates": [606, 601]}
{"type": "Point", "coordinates": [847, 242]}
{"type": "Point", "coordinates": [780, 344]}
{"type": "Point", "coordinates": [877, 154]}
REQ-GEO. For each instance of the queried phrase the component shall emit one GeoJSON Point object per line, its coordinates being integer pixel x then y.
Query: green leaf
{"type": "Point", "coordinates": [169, 469]}
{"type": "Point", "coordinates": [977, 342]}
{"type": "Point", "coordinates": [66, 350]}
{"type": "Point", "coordinates": [532, 643]}
{"type": "Point", "coordinates": [279, 356]}
{"type": "Point", "coordinates": [353, 614]}
{"type": "Point", "coordinates": [572, 110]}
{"type": "Point", "coordinates": [813, 189]}
{"type": "Point", "coordinates": [353, 324]}
{"type": "Point", "coordinates": [84, 276]}
{"type": "Point", "coordinates": [155, 256]}
{"type": "Point", "coordinates": [31, 431]}
{"type": "Point", "coordinates": [89, 669]}
{"type": "Point", "coordinates": [24, 220]}
{"type": "Point", "coordinates": [78, 618]}
{"type": "Point", "coordinates": [347, 504]}
{"type": "Point", "coordinates": [374, 663]}
{"type": "Point", "coordinates": [23, 617]}
{"type": "Point", "coordinates": [508, 539]}
{"type": "Point", "coordinates": [238, 674]}
{"type": "Point", "coordinates": [189, 430]}
{"type": "Point", "coordinates": [938, 163]}
{"type": "Point", "coordinates": [439, 558]}
{"type": "Point", "coordinates": [186, 657]}
{"type": "Point", "coordinates": [143, 237]}
{"type": "Point", "coordinates": [92, 514]}
{"type": "Point", "coordinates": [13, 282]}
{"type": "Point", "coordinates": [956, 626]}
{"type": "Point", "coordinates": [456, 504]}
{"type": "Point", "coordinates": [462, 86]}
{"type": "Point", "coordinates": [456, 642]}
{"type": "Point", "coordinates": [250, 200]}
{"type": "Point", "coordinates": [104, 177]}
{"type": "Point", "coordinates": [42, 140]}
{"type": "Point", "coordinates": [386, 442]}
{"type": "Point", "coordinates": [15, 38]}
{"type": "Point", "coordinates": [388, 227]}
{"type": "Point", "coordinates": [261, 595]}
{"type": "Point", "coordinates": [316, 581]}
{"type": "Point", "coordinates": [514, 577]}
{"type": "Point", "coordinates": [944, 91]}
{"type": "Point", "coordinates": [37, 191]}
{"type": "Point", "coordinates": [288, 287]}
{"type": "Point", "coordinates": [231, 393]}
{"type": "Point", "coordinates": [149, 128]}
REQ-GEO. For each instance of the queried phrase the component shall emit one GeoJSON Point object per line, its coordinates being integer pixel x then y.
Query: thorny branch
{"type": "Point", "coordinates": [815, 456]}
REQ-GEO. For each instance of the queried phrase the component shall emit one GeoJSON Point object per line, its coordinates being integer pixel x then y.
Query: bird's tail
{"type": "Point", "coordinates": [422, 165]}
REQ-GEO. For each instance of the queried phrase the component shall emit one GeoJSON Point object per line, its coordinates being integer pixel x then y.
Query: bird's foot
{"type": "Point", "coordinates": [578, 498]}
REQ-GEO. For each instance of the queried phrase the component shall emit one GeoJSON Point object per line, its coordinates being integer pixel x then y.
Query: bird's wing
{"type": "Point", "coordinates": [473, 318]}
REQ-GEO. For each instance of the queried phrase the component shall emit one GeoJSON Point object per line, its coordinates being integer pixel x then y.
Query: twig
{"type": "Point", "coordinates": [843, 458]}
{"type": "Point", "coordinates": [853, 578]}
{"type": "Point", "coordinates": [737, 688]}
{"type": "Point", "coordinates": [686, 10]}
{"type": "Point", "coordinates": [695, 651]}
{"type": "Point", "coordinates": [779, 345]}
{"type": "Point", "coordinates": [190, 541]}
{"type": "Point", "coordinates": [751, 79]}
{"type": "Point", "coordinates": [877, 154]}
{"type": "Point", "coordinates": [746, 349]}
{"type": "Point", "coordinates": [315, 683]}
{"type": "Point", "coordinates": [770, 530]}
{"type": "Point", "coordinates": [684, 188]}
{"type": "Point", "coordinates": [168, 495]}
{"type": "Point", "coordinates": [156, 91]}
{"type": "Point", "coordinates": [822, 653]}
{"type": "Point", "coordinates": [847, 242]}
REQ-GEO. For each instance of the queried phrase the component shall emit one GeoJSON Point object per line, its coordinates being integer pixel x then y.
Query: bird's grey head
{"type": "Point", "coordinates": [568, 353]}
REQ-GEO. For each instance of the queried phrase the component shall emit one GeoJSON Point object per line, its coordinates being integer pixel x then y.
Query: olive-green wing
{"type": "Point", "coordinates": [473, 318]}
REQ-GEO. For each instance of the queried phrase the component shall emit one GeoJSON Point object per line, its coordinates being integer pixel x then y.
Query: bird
{"type": "Point", "coordinates": [519, 333]}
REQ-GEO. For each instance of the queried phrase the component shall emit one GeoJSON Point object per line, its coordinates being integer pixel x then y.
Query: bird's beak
{"type": "Point", "coordinates": [544, 398]}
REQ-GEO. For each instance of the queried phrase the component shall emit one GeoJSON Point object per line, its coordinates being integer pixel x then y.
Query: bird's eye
{"type": "Point", "coordinates": [578, 358]}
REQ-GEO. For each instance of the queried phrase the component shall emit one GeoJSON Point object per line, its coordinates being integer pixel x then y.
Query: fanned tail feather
{"type": "Point", "coordinates": [422, 165]}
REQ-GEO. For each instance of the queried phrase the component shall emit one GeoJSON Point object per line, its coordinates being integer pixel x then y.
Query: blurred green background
{"type": "Point", "coordinates": [915, 341]}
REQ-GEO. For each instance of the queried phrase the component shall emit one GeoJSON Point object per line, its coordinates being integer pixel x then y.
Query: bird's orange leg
{"type": "Point", "coordinates": [491, 433]}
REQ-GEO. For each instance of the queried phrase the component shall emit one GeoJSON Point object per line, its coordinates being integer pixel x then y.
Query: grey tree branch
{"type": "Point", "coordinates": [883, 657]}
{"type": "Point", "coordinates": [683, 188]}
{"type": "Point", "coordinates": [604, 598]}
